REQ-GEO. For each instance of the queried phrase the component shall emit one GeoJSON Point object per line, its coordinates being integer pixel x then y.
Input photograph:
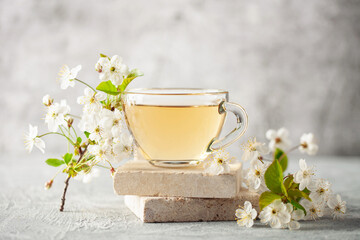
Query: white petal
{"type": "Point", "coordinates": [272, 145]}
{"type": "Point", "coordinates": [263, 149]}
{"type": "Point", "coordinates": [302, 185]}
{"type": "Point", "coordinates": [116, 60]}
{"type": "Point", "coordinates": [338, 198]}
{"type": "Point", "coordinates": [247, 206]}
{"type": "Point", "coordinates": [239, 212]}
{"type": "Point", "coordinates": [275, 223]}
{"type": "Point", "coordinates": [270, 134]}
{"type": "Point", "coordinates": [302, 164]}
{"type": "Point", "coordinates": [64, 84]}
{"type": "Point", "coordinates": [33, 131]}
{"type": "Point", "coordinates": [81, 100]}
{"type": "Point", "coordinates": [246, 155]}
{"type": "Point", "coordinates": [284, 217]}
{"type": "Point", "coordinates": [293, 225]}
{"type": "Point", "coordinates": [289, 207]}
{"type": "Point", "coordinates": [75, 71]}
{"type": "Point", "coordinates": [100, 96]}
{"type": "Point", "coordinates": [313, 149]}
{"type": "Point", "coordinates": [88, 92]}
{"type": "Point", "coordinates": [253, 213]}
{"type": "Point", "coordinates": [283, 133]}
{"type": "Point", "coordinates": [298, 214]}
{"type": "Point", "coordinates": [249, 223]}
{"type": "Point", "coordinates": [40, 144]}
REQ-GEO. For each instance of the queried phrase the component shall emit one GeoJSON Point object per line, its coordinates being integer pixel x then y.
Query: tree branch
{"type": "Point", "coordinates": [82, 152]}
{"type": "Point", "coordinates": [64, 193]}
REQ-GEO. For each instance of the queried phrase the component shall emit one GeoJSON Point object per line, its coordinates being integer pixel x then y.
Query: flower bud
{"type": "Point", "coordinates": [76, 151]}
{"type": "Point", "coordinates": [48, 184]}
{"type": "Point", "coordinates": [98, 67]}
{"type": "Point", "coordinates": [47, 100]}
{"type": "Point", "coordinates": [112, 171]}
{"type": "Point", "coordinates": [70, 122]}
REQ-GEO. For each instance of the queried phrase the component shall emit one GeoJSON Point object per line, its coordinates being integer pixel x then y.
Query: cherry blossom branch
{"type": "Point", "coordinates": [39, 136]}
{"type": "Point", "coordinates": [102, 166]}
{"type": "Point", "coordinates": [74, 131]}
{"type": "Point", "coordinates": [287, 152]}
{"type": "Point", "coordinates": [110, 164]}
{"type": "Point", "coordinates": [82, 153]}
{"type": "Point", "coordinates": [64, 193]}
{"type": "Point", "coordinates": [85, 84]}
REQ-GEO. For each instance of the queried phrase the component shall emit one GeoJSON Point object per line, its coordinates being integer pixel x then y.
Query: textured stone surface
{"type": "Point", "coordinates": [288, 62]}
{"type": "Point", "coordinates": [178, 209]}
{"type": "Point", "coordinates": [93, 211]}
{"type": "Point", "coordinates": [143, 179]}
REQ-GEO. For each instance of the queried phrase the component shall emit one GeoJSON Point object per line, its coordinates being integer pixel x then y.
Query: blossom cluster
{"type": "Point", "coordinates": [299, 196]}
{"type": "Point", "coordinates": [105, 126]}
{"type": "Point", "coordinates": [101, 123]}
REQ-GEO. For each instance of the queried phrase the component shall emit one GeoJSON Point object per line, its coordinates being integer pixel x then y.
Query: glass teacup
{"type": "Point", "coordinates": [178, 127]}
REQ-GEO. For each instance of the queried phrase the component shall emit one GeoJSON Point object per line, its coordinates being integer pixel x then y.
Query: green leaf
{"type": "Point", "coordinates": [296, 193]}
{"type": "Point", "coordinates": [133, 74]}
{"type": "Point", "coordinates": [284, 159]}
{"type": "Point", "coordinates": [67, 158]}
{"type": "Point", "coordinates": [298, 205]}
{"type": "Point", "coordinates": [103, 55]}
{"type": "Point", "coordinates": [87, 134]}
{"type": "Point", "coordinates": [54, 162]}
{"type": "Point", "coordinates": [108, 87]}
{"type": "Point", "coordinates": [79, 140]}
{"type": "Point", "coordinates": [307, 191]}
{"type": "Point", "coordinates": [266, 198]}
{"type": "Point", "coordinates": [288, 181]}
{"type": "Point", "coordinates": [274, 178]}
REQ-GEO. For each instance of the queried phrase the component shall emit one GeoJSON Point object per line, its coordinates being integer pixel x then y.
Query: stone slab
{"type": "Point", "coordinates": [178, 209]}
{"type": "Point", "coordinates": [140, 178]}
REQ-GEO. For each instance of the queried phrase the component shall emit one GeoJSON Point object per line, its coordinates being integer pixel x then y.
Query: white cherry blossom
{"type": "Point", "coordinates": [337, 206]}
{"type": "Point", "coordinates": [97, 133]}
{"type": "Point", "coordinates": [278, 139]}
{"type": "Point", "coordinates": [314, 209]}
{"type": "Point", "coordinates": [304, 175]}
{"type": "Point", "coordinates": [32, 139]}
{"type": "Point", "coordinates": [89, 120]}
{"type": "Point", "coordinates": [275, 214]}
{"type": "Point", "coordinates": [308, 144]}
{"type": "Point", "coordinates": [113, 69]}
{"type": "Point", "coordinates": [102, 151]}
{"type": "Point", "coordinates": [255, 176]}
{"type": "Point", "coordinates": [296, 215]}
{"type": "Point", "coordinates": [55, 115]}
{"type": "Point", "coordinates": [123, 146]}
{"type": "Point", "coordinates": [253, 149]}
{"type": "Point", "coordinates": [100, 65]}
{"type": "Point", "coordinates": [67, 76]}
{"type": "Point", "coordinates": [246, 215]}
{"type": "Point", "coordinates": [218, 163]}
{"type": "Point", "coordinates": [112, 122]}
{"type": "Point", "coordinates": [320, 190]}
{"type": "Point", "coordinates": [91, 100]}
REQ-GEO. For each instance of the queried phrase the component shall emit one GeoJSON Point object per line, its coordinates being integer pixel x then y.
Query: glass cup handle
{"type": "Point", "coordinates": [236, 133]}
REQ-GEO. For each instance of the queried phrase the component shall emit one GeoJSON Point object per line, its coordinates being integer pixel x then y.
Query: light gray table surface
{"type": "Point", "coordinates": [93, 211]}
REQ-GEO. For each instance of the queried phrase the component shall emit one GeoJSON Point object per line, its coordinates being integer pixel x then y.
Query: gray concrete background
{"type": "Point", "coordinates": [289, 63]}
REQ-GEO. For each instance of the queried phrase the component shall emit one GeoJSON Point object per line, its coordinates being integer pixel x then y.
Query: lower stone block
{"type": "Point", "coordinates": [179, 209]}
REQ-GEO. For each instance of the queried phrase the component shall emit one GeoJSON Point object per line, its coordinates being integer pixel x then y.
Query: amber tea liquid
{"type": "Point", "coordinates": [174, 132]}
